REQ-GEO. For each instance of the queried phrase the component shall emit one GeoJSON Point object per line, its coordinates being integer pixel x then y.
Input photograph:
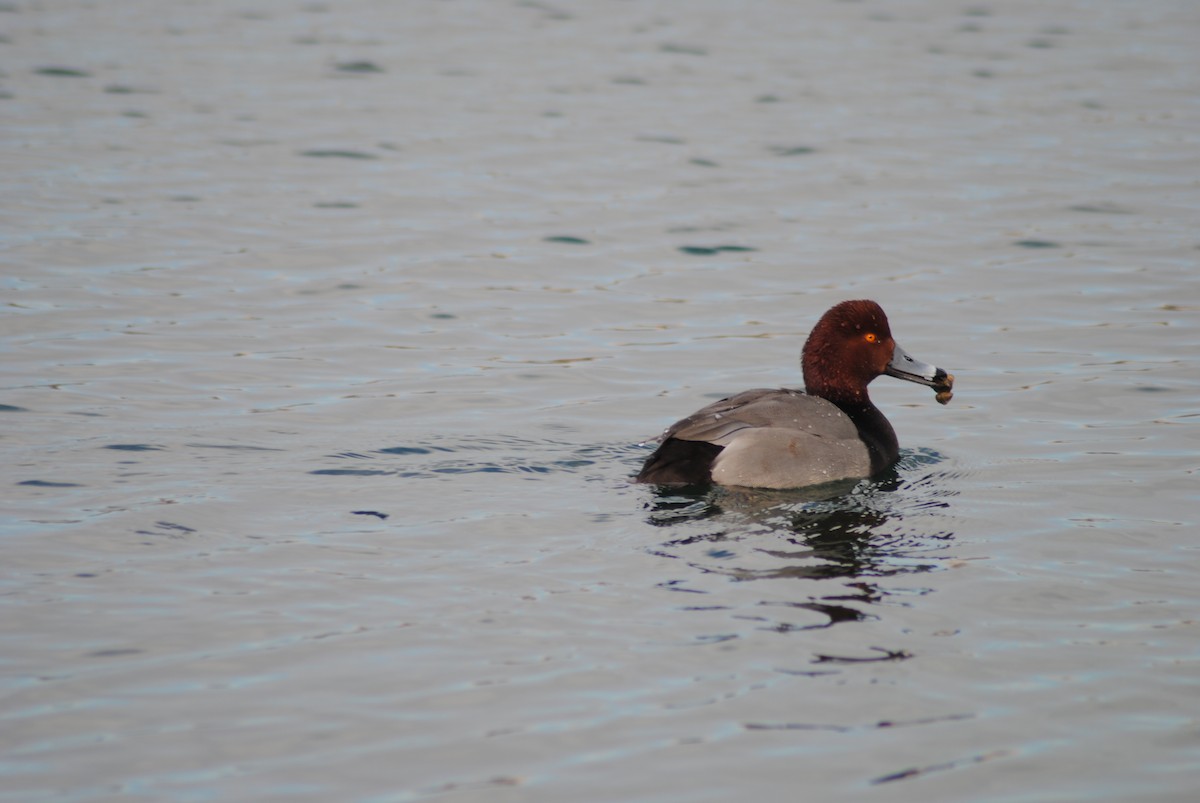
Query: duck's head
{"type": "Point", "coordinates": [851, 345]}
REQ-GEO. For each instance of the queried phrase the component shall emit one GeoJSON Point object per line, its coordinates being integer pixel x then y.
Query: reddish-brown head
{"type": "Point", "coordinates": [851, 345]}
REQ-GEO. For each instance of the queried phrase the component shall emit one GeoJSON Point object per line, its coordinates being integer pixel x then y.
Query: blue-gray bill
{"type": "Point", "coordinates": [905, 366]}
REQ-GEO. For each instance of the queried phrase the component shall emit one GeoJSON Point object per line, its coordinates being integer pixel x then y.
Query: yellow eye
{"type": "Point", "coordinates": [870, 337]}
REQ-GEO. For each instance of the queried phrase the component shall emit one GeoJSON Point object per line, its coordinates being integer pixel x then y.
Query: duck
{"type": "Point", "coordinates": [783, 438]}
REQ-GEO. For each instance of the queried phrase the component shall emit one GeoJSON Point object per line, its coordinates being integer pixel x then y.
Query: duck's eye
{"type": "Point", "coordinates": [870, 337]}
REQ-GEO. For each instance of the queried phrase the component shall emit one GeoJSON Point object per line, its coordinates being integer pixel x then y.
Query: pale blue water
{"type": "Point", "coordinates": [317, 465]}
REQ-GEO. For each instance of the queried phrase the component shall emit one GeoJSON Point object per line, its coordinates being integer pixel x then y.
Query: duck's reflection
{"type": "Point", "coordinates": [823, 550]}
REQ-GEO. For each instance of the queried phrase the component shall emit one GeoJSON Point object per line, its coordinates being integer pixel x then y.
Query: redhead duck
{"type": "Point", "coordinates": [781, 438]}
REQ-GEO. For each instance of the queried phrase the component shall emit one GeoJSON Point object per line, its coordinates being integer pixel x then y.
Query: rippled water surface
{"type": "Point", "coordinates": [332, 332]}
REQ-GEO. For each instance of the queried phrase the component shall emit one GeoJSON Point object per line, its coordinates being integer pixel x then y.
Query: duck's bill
{"type": "Point", "coordinates": [905, 366]}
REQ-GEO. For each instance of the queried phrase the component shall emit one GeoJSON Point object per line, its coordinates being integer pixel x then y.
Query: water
{"type": "Point", "coordinates": [331, 332]}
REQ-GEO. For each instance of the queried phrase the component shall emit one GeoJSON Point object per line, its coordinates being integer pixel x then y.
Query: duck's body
{"type": "Point", "coordinates": [767, 438]}
{"type": "Point", "coordinates": [782, 438]}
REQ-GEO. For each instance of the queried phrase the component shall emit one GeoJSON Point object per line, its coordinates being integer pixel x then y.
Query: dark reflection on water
{"type": "Point", "coordinates": [854, 532]}
{"type": "Point", "coordinates": [853, 528]}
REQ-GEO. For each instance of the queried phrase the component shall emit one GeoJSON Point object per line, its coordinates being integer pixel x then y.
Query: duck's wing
{"type": "Point", "coordinates": [777, 408]}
